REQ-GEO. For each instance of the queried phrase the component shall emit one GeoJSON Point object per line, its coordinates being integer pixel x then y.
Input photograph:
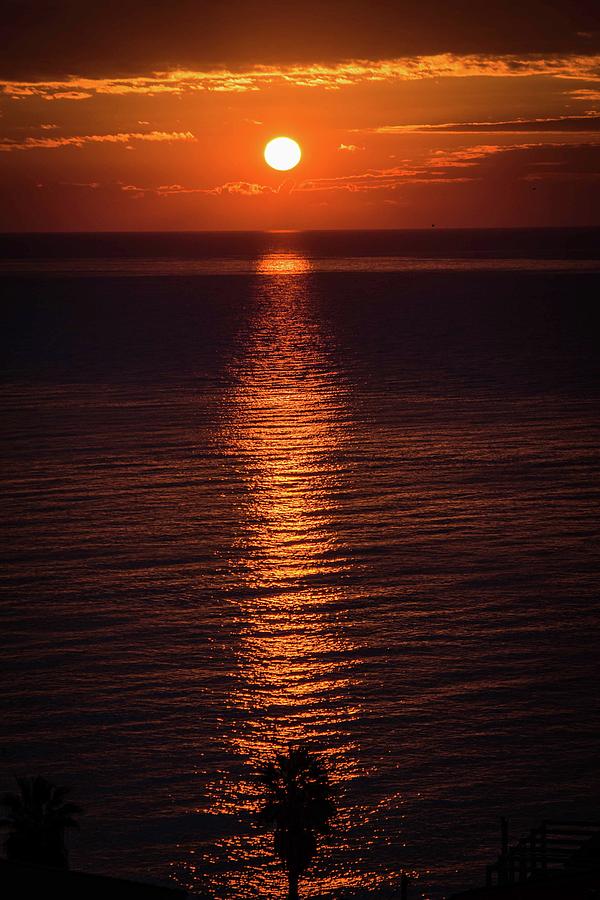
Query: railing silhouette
{"type": "Point", "coordinates": [551, 845]}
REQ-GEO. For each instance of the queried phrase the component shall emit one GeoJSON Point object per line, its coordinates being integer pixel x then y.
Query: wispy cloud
{"type": "Point", "coordinates": [465, 164]}
{"type": "Point", "coordinates": [586, 94]}
{"type": "Point", "coordinates": [243, 188]}
{"type": "Point", "coordinates": [589, 123]}
{"type": "Point", "coordinates": [439, 165]}
{"type": "Point", "coordinates": [55, 143]}
{"type": "Point", "coordinates": [529, 162]}
{"type": "Point", "coordinates": [314, 75]}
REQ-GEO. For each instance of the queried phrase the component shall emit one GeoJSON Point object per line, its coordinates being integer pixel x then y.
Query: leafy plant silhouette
{"type": "Point", "coordinates": [298, 805]}
{"type": "Point", "coordinates": [36, 818]}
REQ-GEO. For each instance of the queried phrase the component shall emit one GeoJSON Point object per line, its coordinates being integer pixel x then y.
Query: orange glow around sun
{"type": "Point", "coordinates": [283, 154]}
{"type": "Point", "coordinates": [486, 131]}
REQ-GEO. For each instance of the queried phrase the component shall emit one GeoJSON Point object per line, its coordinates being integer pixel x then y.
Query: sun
{"type": "Point", "coordinates": [282, 153]}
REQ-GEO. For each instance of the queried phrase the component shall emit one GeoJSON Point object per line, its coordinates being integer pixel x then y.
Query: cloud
{"type": "Point", "coordinates": [329, 77]}
{"type": "Point", "coordinates": [526, 161]}
{"type": "Point", "coordinates": [247, 189]}
{"type": "Point", "coordinates": [91, 185]}
{"type": "Point", "coordinates": [68, 95]}
{"type": "Point", "coordinates": [521, 162]}
{"type": "Point", "coordinates": [435, 168]}
{"type": "Point", "coordinates": [529, 162]}
{"type": "Point", "coordinates": [586, 94]}
{"type": "Point", "coordinates": [243, 188]}
{"type": "Point", "coordinates": [54, 143]}
{"type": "Point", "coordinates": [135, 36]}
{"type": "Point", "coordinates": [349, 148]}
{"type": "Point", "coordinates": [589, 123]}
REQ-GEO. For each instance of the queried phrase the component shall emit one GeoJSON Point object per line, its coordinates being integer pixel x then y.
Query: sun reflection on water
{"type": "Point", "coordinates": [283, 264]}
{"type": "Point", "coordinates": [289, 422]}
{"type": "Point", "coordinates": [287, 429]}
{"type": "Point", "coordinates": [288, 432]}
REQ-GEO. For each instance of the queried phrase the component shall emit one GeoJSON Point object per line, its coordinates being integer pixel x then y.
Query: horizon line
{"type": "Point", "coordinates": [423, 228]}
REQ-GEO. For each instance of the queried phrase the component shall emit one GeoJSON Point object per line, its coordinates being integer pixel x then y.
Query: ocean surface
{"type": "Point", "coordinates": [334, 487]}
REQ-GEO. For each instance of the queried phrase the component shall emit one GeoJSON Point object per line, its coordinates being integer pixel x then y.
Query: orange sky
{"type": "Point", "coordinates": [447, 130]}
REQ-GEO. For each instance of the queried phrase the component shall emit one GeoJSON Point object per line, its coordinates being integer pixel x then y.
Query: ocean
{"type": "Point", "coordinates": [336, 487]}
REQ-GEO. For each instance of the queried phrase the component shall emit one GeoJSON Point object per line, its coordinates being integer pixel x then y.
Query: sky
{"type": "Point", "coordinates": [134, 115]}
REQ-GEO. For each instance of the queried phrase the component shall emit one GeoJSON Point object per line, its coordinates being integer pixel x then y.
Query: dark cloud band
{"type": "Point", "coordinates": [44, 39]}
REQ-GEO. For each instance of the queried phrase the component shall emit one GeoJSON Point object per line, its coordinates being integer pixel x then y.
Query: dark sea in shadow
{"type": "Point", "coordinates": [340, 487]}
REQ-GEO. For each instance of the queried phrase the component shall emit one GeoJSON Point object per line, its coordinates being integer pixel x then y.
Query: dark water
{"type": "Point", "coordinates": [334, 487]}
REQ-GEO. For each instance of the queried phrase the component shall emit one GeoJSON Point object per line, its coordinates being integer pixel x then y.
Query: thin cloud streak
{"type": "Point", "coordinates": [525, 162]}
{"type": "Point", "coordinates": [8, 145]}
{"type": "Point", "coordinates": [585, 94]}
{"type": "Point", "coordinates": [243, 188]}
{"type": "Point", "coordinates": [589, 123]}
{"type": "Point", "coordinates": [435, 170]}
{"type": "Point", "coordinates": [442, 167]}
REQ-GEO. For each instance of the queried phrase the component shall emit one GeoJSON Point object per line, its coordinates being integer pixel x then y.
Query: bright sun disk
{"type": "Point", "coordinates": [282, 153]}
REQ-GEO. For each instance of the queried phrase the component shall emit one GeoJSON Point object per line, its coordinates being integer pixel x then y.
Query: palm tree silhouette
{"type": "Point", "coordinates": [298, 805]}
{"type": "Point", "coordinates": [36, 819]}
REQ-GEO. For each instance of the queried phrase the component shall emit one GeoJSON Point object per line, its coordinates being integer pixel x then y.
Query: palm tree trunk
{"type": "Point", "coordinates": [293, 879]}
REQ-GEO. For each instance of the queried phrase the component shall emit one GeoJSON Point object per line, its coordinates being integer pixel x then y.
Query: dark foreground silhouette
{"type": "Point", "coordinates": [21, 881]}
{"type": "Point", "coordinates": [37, 817]}
{"type": "Point", "coordinates": [298, 805]}
{"type": "Point", "coordinates": [555, 861]}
